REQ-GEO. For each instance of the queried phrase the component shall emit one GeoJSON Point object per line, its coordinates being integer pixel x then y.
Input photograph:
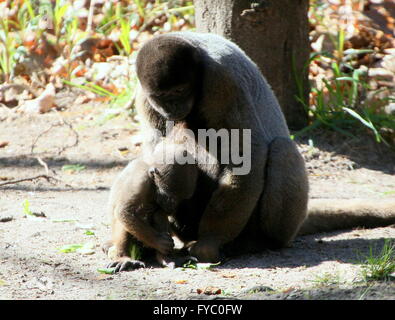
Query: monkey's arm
{"type": "Point", "coordinates": [336, 214]}
{"type": "Point", "coordinates": [134, 223]}
{"type": "Point", "coordinates": [229, 209]}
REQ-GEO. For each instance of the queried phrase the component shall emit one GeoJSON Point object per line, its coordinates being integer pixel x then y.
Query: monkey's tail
{"type": "Point", "coordinates": [337, 214]}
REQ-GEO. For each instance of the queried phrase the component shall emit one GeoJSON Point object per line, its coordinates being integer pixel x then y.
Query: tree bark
{"type": "Point", "coordinates": [274, 34]}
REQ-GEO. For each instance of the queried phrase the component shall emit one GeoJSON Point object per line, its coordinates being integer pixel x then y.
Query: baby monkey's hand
{"type": "Point", "coordinates": [165, 243]}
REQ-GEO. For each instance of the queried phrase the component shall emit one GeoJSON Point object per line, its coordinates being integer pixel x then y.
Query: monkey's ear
{"type": "Point", "coordinates": [153, 172]}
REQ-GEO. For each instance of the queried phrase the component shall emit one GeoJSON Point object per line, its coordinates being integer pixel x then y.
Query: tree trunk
{"type": "Point", "coordinates": [274, 33]}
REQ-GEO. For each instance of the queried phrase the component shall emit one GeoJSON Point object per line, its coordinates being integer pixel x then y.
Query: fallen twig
{"type": "Point", "coordinates": [75, 135]}
{"type": "Point", "coordinates": [40, 161]}
{"type": "Point", "coordinates": [40, 176]}
{"type": "Point", "coordinates": [61, 122]}
{"type": "Point", "coordinates": [41, 134]}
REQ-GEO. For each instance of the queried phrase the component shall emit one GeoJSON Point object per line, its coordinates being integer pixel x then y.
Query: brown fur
{"type": "Point", "coordinates": [141, 198]}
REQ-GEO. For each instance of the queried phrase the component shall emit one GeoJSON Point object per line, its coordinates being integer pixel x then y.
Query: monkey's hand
{"type": "Point", "coordinates": [164, 243]}
{"type": "Point", "coordinates": [125, 264]}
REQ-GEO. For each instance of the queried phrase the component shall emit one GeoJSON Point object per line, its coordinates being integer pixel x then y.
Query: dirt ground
{"type": "Point", "coordinates": [321, 266]}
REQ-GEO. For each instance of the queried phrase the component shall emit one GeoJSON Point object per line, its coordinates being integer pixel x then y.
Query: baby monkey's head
{"type": "Point", "coordinates": [174, 179]}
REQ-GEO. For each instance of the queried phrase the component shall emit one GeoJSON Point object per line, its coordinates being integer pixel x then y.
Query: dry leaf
{"type": "Point", "coordinates": [181, 281]}
{"type": "Point", "coordinates": [229, 276]}
{"type": "Point", "coordinates": [4, 144]}
{"type": "Point", "coordinates": [209, 291]}
{"type": "Point", "coordinates": [123, 151]}
{"type": "Point", "coordinates": [290, 289]}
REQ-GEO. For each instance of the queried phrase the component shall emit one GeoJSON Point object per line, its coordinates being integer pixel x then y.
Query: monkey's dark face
{"type": "Point", "coordinates": [173, 104]}
{"type": "Point", "coordinates": [164, 196]}
{"type": "Point", "coordinates": [176, 182]}
{"type": "Point", "coordinates": [168, 72]}
{"type": "Point", "coordinates": [165, 187]}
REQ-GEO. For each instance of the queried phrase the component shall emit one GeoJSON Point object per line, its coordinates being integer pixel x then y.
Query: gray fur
{"type": "Point", "coordinates": [231, 93]}
{"type": "Point", "coordinates": [256, 107]}
{"type": "Point", "coordinates": [337, 214]}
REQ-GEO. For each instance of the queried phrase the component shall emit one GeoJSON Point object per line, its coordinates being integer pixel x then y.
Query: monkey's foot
{"type": "Point", "coordinates": [205, 251]}
{"type": "Point", "coordinates": [125, 264]}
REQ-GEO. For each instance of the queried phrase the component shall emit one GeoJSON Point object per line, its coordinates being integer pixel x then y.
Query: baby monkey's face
{"type": "Point", "coordinates": [166, 182]}
{"type": "Point", "coordinates": [173, 183]}
{"type": "Point", "coordinates": [165, 197]}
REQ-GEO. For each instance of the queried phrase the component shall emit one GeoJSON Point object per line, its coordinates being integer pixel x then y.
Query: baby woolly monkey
{"type": "Point", "coordinates": [142, 197]}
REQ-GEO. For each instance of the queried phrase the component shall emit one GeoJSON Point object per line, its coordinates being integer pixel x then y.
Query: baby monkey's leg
{"type": "Point", "coordinates": [122, 240]}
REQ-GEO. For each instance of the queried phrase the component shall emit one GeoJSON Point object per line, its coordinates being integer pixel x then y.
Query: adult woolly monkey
{"type": "Point", "coordinates": [208, 82]}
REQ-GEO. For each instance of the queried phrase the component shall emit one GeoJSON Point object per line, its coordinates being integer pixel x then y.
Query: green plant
{"type": "Point", "coordinates": [327, 279]}
{"type": "Point", "coordinates": [8, 49]}
{"type": "Point", "coordinates": [112, 14]}
{"type": "Point", "coordinates": [26, 208]}
{"type": "Point", "coordinates": [379, 265]}
{"type": "Point", "coordinates": [364, 292]}
{"type": "Point", "coordinates": [73, 167]}
{"type": "Point", "coordinates": [339, 103]}
{"type": "Point", "coordinates": [58, 16]}
{"type": "Point", "coordinates": [191, 264]}
{"type": "Point", "coordinates": [140, 7]}
{"type": "Point", "coordinates": [135, 251]}
{"type": "Point", "coordinates": [87, 248]}
{"type": "Point", "coordinates": [90, 86]}
{"type": "Point", "coordinates": [106, 270]}
{"type": "Point", "coordinates": [26, 16]}
{"type": "Point", "coordinates": [124, 37]}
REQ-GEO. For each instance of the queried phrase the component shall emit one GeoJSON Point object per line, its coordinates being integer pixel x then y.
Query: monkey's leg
{"type": "Point", "coordinates": [229, 209]}
{"type": "Point", "coordinates": [121, 239]}
{"type": "Point", "coordinates": [283, 206]}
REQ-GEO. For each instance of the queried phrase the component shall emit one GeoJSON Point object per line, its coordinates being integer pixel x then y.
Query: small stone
{"type": "Point", "coordinates": [381, 74]}
{"type": "Point", "coordinates": [390, 109]}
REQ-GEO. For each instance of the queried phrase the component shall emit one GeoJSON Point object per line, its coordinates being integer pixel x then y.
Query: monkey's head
{"type": "Point", "coordinates": [174, 180]}
{"type": "Point", "coordinates": [168, 70]}
{"type": "Point", "coordinates": [174, 183]}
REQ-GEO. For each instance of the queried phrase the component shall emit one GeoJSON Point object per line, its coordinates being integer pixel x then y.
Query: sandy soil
{"type": "Point", "coordinates": [322, 266]}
